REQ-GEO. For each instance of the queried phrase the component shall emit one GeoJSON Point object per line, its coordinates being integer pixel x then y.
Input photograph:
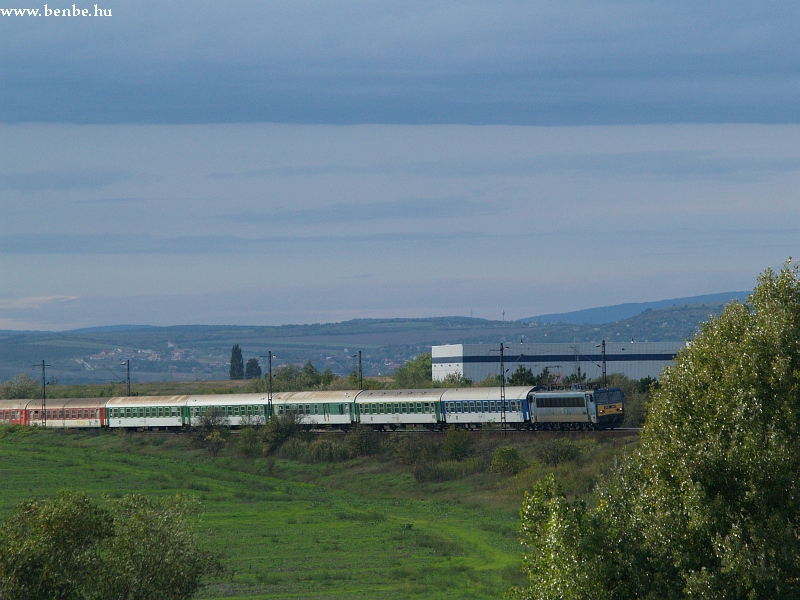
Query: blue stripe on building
{"type": "Point", "coordinates": [540, 358]}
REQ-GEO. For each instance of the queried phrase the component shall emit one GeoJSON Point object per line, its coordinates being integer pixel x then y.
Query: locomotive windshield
{"type": "Point", "coordinates": [611, 396]}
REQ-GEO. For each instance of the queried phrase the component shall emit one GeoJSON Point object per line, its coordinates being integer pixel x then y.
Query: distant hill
{"type": "Point", "coordinates": [619, 312]}
{"type": "Point", "coordinates": [193, 352]}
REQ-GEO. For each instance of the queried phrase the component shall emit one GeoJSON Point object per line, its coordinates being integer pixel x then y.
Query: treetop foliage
{"type": "Point", "coordinates": [708, 506]}
{"type": "Point", "coordinates": [20, 386]}
{"type": "Point", "coordinates": [415, 373]}
{"type": "Point", "coordinates": [252, 369]}
{"type": "Point", "coordinates": [237, 363]}
{"type": "Point", "coordinates": [136, 548]}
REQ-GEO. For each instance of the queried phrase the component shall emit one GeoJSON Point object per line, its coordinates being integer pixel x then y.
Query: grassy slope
{"type": "Point", "coordinates": [359, 529]}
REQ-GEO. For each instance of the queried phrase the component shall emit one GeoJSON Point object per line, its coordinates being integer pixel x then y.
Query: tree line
{"type": "Point", "coordinates": [708, 504]}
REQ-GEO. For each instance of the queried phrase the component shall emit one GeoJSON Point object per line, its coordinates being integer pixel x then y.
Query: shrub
{"type": "Point", "coordinates": [248, 444]}
{"type": "Point", "coordinates": [277, 431]}
{"type": "Point", "coordinates": [557, 451]}
{"type": "Point", "coordinates": [362, 441]}
{"type": "Point", "coordinates": [506, 461]}
{"type": "Point", "coordinates": [458, 444]}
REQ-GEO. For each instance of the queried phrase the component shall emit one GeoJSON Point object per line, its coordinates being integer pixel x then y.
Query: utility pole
{"type": "Point", "coordinates": [44, 395]}
{"type": "Point", "coordinates": [127, 363]}
{"type": "Point", "coordinates": [603, 360]}
{"type": "Point", "coordinates": [502, 386]}
{"type": "Point", "coordinates": [503, 383]}
{"type": "Point", "coordinates": [269, 382]}
{"type": "Point", "coordinates": [360, 372]}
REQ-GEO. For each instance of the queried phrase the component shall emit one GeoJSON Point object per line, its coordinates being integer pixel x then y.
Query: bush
{"type": "Point", "coordinates": [361, 441]}
{"type": "Point", "coordinates": [21, 386]}
{"type": "Point", "coordinates": [557, 451]}
{"type": "Point", "coordinates": [506, 461]}
{"type": "Point", "coordinates": [277, 431]}
{"type": "Point", "coordinates": [458, 444]}
{"type": "Point", "coordinates": [248, 444]}
{"type": "Point", "coordinates": [314, 451]}
{"type": "Point", "coordinates": [135, 547]}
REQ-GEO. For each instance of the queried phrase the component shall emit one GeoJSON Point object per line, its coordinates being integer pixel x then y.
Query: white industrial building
{"type": "Point", "coordinates": [479, 361]}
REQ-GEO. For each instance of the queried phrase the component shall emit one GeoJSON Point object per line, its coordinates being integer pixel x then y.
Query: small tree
{"type": "Point", "coordinates": [135, 548]}
{"type": "Point", "coordinates": [213, 419]}
{"type": "Point", "coordinates": [252, 370]}
{"type": "Point", "coordinates": [21, 386]}
{"type": "Point", "coordinates": [214, 443]}
{"type": "Point", "coordinates": [522, 376]}
{"type": "Point", "coordinates": [458, 444]}
{"type": "Point", "coordinates": [415, 373]}
{"type": "Point", "coordinates": [278, 430]}
{"type": "Point", "coordinates": [237, 363]}
{"type": "Point", "coordinates": [506, 461]}
{"type": "Point", "coordinates": [47, 548]}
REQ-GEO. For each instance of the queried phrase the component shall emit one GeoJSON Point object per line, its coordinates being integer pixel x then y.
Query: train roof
{"type": "Point", "coordinates": [217, 399]}
{"type": "Point", "coordinates": [321, 396]}
{"type": "Point", "coordinates": [420, 395]}
{"type": "Point", "coordinates": [68, 403]}
{"type": "Point", "coordinates": [513, 392]}
{"type": "Point", "coordinates": [15, 404]}
{"type": "Point", "coordinates": [148, 401]}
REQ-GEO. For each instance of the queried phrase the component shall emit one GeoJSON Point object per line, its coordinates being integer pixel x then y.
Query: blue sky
{"type": "Point", "coordinates": [293, 162]}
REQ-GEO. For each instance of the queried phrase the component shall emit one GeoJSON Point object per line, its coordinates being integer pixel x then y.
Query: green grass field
{"type": "Point", "coordinates": [361, 528]}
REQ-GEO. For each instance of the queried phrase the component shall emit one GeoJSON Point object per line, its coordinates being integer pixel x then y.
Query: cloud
{"type": "Point", "coordinates": [409, 61]}
{"type": "Point", "coordinates": [37, 181]}
{"type": "Point", "coordinates": [412, 209]}
{"type": "Point", "coordinates": [35, 302]}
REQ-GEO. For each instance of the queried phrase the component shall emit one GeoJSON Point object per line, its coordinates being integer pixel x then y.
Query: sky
{"type": "Point", "coordinates": [265, 163]}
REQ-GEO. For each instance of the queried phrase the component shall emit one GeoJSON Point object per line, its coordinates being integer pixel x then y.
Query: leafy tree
{"type": "Point", "coordinates": [21, 386]}
{"type": "Point", "coordinates": [47, 548]}
{"type": "Point", "coordinates": [237, 363]}
{"type": "Point", "coordinates": [248, 443]}
{"type": "Point", "coordinates": [153, 552]}
{"type": "Point", "coordinates": [708, 506]}
{"type": "Point", "coordinates": [135, 548]}
{"type": "Point", "coordinates": [214, 419]}
{"type": "Point", "coordinates": [278, 430]}
{"type": "Point", "coordinates": [522, 376]}
{"type": "Point", "coordinates": [415, 373]}
{"type": "Point", "coordinates": [545, 378]}
{"type": "Point", "coordinates": [575, 378]}
{"type": "Point", "coordinates": [506, 461]}
{"type": "Point", "coordinates": [456, 380]}
{"type": "Point", "coordinates": [214, 442]}
{"type": "Point", "coordinates": [252, 369]}
{"type": "Point", "coordinates": [458, 444]}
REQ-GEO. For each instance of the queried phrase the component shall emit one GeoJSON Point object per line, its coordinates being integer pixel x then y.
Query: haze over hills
{"type": "Point", "coordinates": [194, 352]}
{"type": "Point", "coordinates": [618, 312]}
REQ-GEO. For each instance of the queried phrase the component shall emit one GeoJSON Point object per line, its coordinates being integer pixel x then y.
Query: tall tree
{"type": "Point", "coordinates": [135, 548]}
{"type": "Point", "coordinates": [416, 373]}
{"type": "Point", "coordinates": [252, 369]}
{"type": "Point", "coordinates": [237, 363]}
{"type": "Point", "coordinates": [708, 506]}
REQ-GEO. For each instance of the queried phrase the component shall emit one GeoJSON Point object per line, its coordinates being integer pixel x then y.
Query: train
{"type": "Point", "coordinates": [514, 407]}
